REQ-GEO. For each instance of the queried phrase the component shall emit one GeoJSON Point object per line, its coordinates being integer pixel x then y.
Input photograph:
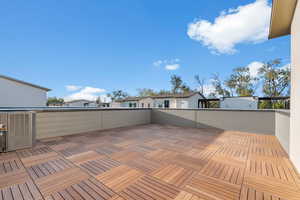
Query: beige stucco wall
{"type": "Point", "coordinates": [261, 122]}
{"type": "Point", "coordinates": [295, 91]}
{"type": "Point", "coordinates": [282, 128]}
{"type": "Point", "coordinates": [52, 124]}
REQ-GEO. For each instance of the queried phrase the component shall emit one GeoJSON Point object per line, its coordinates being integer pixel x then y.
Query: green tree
{"type": "Point", "coordinates": [117, 94]}
{"type": "Point", "coordinates": [201, 83]}
{"type": "Point", "coordinates": [220, 89]}
{"type": "Point", "coordinates": [164, 92]}
{"type": "Point", "coordinates": [276, 78]}
{"type": "Point", "coordinates": [241, 82]}
{"type": "Point", "coordinates": [176, 83]}
{"type": "Point", "coordinates": [55, 100]}
{"type": "Point", "coordinates": [144, 92]}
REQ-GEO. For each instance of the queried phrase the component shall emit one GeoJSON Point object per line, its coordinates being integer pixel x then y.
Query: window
{"type": "Point", "coordinates": [142, 105]}
{"type": "Point", "coordinates": [86, 104]}
{"type": "Point", "coordinates": [167, 104]}
{"type": "Point", "coordinates": [130, 105]}
{"type": "Point", "coordinates": [149, 105]}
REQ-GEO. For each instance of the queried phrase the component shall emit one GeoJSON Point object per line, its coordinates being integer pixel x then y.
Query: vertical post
{"type": "Point", "coordinates": [295, 90]}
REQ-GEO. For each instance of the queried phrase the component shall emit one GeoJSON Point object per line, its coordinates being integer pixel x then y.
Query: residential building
{"type": "Point", "coordinates": [241, 103]}
{"type": "Point", "coordinates": [286, 21]}
{"type": "Point", "coordinates": [17, 93]}
{"type": "Point", "coordinates": [80, 103]}
{"type": "Point", "coordinates": [184, 101]}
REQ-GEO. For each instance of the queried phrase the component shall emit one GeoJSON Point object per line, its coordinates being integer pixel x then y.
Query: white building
{"type": "Point", "coordinates": [242, 103]}
{"type": "Point", "coordinates": [184, 101]}
{"type": "Point", "coordinates": [16, 93]}
{"type": "Point", "coordinates": [80, 103]}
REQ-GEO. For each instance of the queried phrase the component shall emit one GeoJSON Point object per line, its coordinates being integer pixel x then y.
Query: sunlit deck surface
{"type": "Point", "coordinates": [151, 162]}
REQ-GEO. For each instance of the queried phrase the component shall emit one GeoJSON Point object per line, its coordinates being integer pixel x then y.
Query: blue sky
{"type": "Point", "coordinates": [100, 46]}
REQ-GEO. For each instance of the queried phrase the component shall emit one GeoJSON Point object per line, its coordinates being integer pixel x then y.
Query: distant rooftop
{"type": "Point", "coordinates": [178, 95]}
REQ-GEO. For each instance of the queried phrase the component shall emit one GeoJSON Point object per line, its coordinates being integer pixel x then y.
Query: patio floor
{"type": "Point", "coordinates": [151, 162]}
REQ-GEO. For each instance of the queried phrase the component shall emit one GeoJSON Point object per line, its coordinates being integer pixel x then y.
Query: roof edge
{"type": "Point", "coordinates": [25, 83]}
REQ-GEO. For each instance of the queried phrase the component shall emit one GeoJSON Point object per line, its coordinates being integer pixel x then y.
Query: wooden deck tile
{"type": "Point", "coordinates": [149, 188]}
{"type": "Point", "coordinates": [273, 186]}
{"type": "Point", "coordinates": [99, 166]}
{"type": "Point", "coordinates": [211, 188]}
{"type": "Point", "coordinates": [174, 175]}
{"type": "Point", "coordinates": [87, 189]}
{"type": "Point", "coordinates": [10, 165]}
{"type": "Point", "coordinates": [143, 164]}
{"type": "Point", "coordinates": [21, 191]}
{"type": "Point", "coordinates": [189, 162]}
{"type": "Point", "coordinates": [119, 178]}
{"type": "Point", "coordinates": [48, 168]}
{"type": "Point", "coordinates": [84, 157]}
{"type": "Point", "coordinates": [187, 196]}
{"type": "Point", "coordinates": [151, 162]}
{"type": "Point", "coordinates": [226, 172]}
{"type": "Point", "coordinates": [124, 156]}
{"type": "Point", "coordinates": [60, 180]}
{"type": "Point", "coordinates": [14, 177]}
{"type": "Point", "coordinates": [40, 158]}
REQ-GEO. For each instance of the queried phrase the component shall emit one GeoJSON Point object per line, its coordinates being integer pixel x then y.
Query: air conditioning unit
{"type": "Point", "coordinates": [18, 130]}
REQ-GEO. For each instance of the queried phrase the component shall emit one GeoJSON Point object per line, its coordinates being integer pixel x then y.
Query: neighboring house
{"type": "Point", "coordinates": [80, 103]}
{"type": "Point", "coordinates": [17, 93]}
{"type": "Point", "coordinates": [187, 100]}
{"type": "Point", "coordinates": [242, 103]}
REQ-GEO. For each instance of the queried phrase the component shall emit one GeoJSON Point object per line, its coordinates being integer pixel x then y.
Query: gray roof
{"type": "Point", "coordinates": [25, 83]}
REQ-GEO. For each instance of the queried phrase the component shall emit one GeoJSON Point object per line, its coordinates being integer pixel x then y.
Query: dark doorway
{"type": "Point", "coordinates": [167, 103]}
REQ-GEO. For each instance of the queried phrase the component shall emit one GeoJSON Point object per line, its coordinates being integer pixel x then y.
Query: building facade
{"type": "Point", "coordinates": [179, 101]}
{"type": "Point", "coordinates": [16, 93]}
{"type": "Point", "coordinates": [241, 103]}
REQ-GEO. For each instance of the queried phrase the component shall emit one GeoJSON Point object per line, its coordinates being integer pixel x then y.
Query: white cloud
{"type": "Point", "coordinates": [172, 67]}
{"type": "Point", "coordinates": [244, 24]}
{"type": "Point", "coordinates": [88, 93]}
{"type": "Point", "coordinates": [72, 87]}
{"type": "Point", "coordinates": [254, 68]}
{"type": "Point", "coordinates": [158, 63]}
{"type": "Point", "coordinates": [169, 64]}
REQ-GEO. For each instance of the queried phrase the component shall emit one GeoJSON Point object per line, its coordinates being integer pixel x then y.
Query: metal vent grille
{"type": "Point", "coordinates": [20, 129]}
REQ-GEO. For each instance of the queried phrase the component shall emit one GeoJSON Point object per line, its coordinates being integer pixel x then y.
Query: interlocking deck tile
{"type": "Point", "coordinates": [101, 165]}
{"type": "Point", "coordinates": [86, 189]}
{"type": "Point", "coordinates": [62, 146]}
{"type": "Point", "coordinates": [149, 188]}
{"type": "Point", "coordinates": [48, 168]}
{"type": "Point", "coordinates": [21, 191]}
{"type": "Point", "coordinates": [144, 164]}
{"type": "Point", "coordinates": [187, 196]}
{"type": "Point", "coordinates": [60, 180]}
{"type": "Point", "coordinates": [189, 162]}
{"type": "Point", "coordinates": [174, 175]}
{"type": "Point", "coordinates": [273, 186]}
{"type": "Point", "coordinates": [9, 165]}
{"type": "Point", "coordinates": [124, 156]}
{"type": "Point", "coordinates": [211, 188]}
{"type": "Point", "coordinates": [120, 177]}
{"type": "Point", "coordinates": [162, 155]}
{"type": "Point", "coordinates": [84, 157]}
{"type": "Point", "coordinates": [14, 177]}
{"type": "Point", "coordinates": [108, 149]}
{"type": "Point", "coordinates": [151, 162]}
{"type": "Point", "coordinates": [34, 151]}
{"type": "Point", "coordinates": [224, 171]}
